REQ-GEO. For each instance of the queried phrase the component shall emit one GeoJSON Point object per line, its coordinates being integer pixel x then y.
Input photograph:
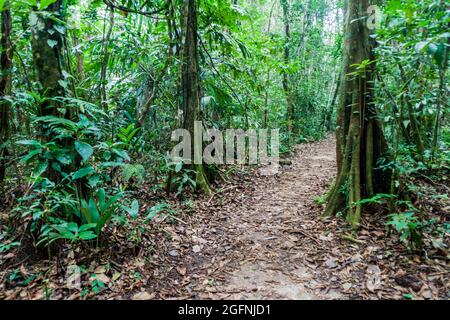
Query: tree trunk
{"type": "Point", "coordinates": [286, 86]}
{"type": "Point", "coordinates": [5, 86]}
{"type": "Point", "coordinates": [79, 56]}
{"type": "Point", "coordinates": [360, 139]}
{"type": "Point", "coordinates": [105, 52]}
{"type": "Point", "coordinates": [47, 47]}
{"type": "Point", "coordinates": [441, 99]}
{"type": "Point", "coordinates": [192, 88]}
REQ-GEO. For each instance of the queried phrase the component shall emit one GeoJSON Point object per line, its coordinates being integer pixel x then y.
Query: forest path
{"type": "Point", "coordinates": [274, 232]}
{"type": "Point", "coordinates": [254, 242]}
{"type": "Point", "coordinates": [262, 238]}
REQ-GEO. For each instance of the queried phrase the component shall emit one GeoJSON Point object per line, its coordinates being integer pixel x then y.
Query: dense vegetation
{"type": "Point", "coordinates": [91, 91]}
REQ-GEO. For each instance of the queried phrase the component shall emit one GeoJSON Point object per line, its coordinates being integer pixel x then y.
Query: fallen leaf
{"type": "Point", "coordinates": [143, 296]}
{"type": "Point", "coordinates": [173, 253]}
{"type": "Point", "coordinates": [103, 278]}
{"type": "Point", "coordinates": [331, 263]}
{"type": "Point", "coordinates": [373, 278]}
{"type": "Point", "coordinates": [196, 248]}
{"type": "Point", "coordinates": [100, 269]}
{"type": "Point", "coordinates": [181, 270]}
{"type": "Point", "coordinates": [347, 286]}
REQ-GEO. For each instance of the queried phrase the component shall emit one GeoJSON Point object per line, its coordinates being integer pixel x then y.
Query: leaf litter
{"type": "Point", "coordinates": [261, 237]}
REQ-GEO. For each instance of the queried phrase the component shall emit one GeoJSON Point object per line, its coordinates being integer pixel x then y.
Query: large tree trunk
{"type": "Point", "coordinates": [192, 88]}
{"type": "Point", "coordinates": [286, 85]}
{"type": "Point", "coordinates": [360, 139]}
{"type": "Point", "coordinates": [5, 86]}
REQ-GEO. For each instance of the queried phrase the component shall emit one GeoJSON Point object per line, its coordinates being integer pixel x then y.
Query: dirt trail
{"type": "Point", "coordinates": [253, 243]}
{"type": "Point", "coordinates": [263, 239]}
{"type": "Point", "coordinates": [272, 229]}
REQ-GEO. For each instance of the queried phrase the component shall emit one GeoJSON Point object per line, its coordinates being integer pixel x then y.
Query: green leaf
{"type": "Point", "coordinates": [52, 43]}
{"type": "Point", "coordinates": [73, 227]}
{"type": "Point", "coordinates": [40, 169]}
{"type": "Point", "coordinates": [439, 55]}
{"type": "Point", "coordinates": [90, 211]}
{"type": "Point", "coordinates": [84, 149]}
{"type": "Point", "coordinates": [87, 235]}
{"type": "Point", "coordinates": [82, 173]}
{"type": "Point", "coordinates": [30, 155]}
{"type": "Point", "coordinates": [393, 6]}
{"type": "Point", "coordinates": [30, 143]}
{"type": "Point", "coordinates": [101, 196]}
{"type": "Point", "coordinates": [408, 296]}
{"type": "Point", "coordinates": [94, 180]}
{"type": "Point", "coordinates": [86, 227]}
{"type": "Point", "coordinates": [121, 153]}
{"type": "Point", "coordinates": [155, 210]}
{"type": "Point", "coordinates": [45, 3]}
{"type": "Point", "coordinates": [104, 219]}
{"type": "Point", "coordinates": [64, 159]}
{"type": "Point", "coordinates": [134, 210]}
{"type": "Point", "coordinates": [111, 164]}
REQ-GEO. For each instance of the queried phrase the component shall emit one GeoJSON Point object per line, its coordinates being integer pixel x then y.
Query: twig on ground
{"type": "Point", "coordinates": [220, 191]}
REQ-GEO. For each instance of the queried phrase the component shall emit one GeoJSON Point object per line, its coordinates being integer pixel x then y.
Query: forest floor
{"type": "Point", "coordinates": [261, 238]}
{"type": "Point", "coordinates": [264, 239]}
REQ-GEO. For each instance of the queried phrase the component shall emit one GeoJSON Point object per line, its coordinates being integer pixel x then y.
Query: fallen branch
{"type": "Point", "coordinates": [220, 191]}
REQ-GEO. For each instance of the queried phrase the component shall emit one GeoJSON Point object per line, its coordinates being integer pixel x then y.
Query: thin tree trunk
{"type": "Point", "coordinates": [442, 98]}
{"type": "Point", "coordinates": [5, 86]}
{"type": "Point", "coordinates": [79, 57]}
{"type": "Point", "coordinates": [191, 87]}
{"type": "Point", "coordinates": [105, 62]}
{"type": "Point", "coordinates": [412, 117]}
{"type": "Point", "coordinates": [266, 93]}
{"type": "Point", "coordinates": [286, 85]}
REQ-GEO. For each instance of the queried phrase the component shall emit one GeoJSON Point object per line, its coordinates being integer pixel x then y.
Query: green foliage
{"type": "Point", "coordinates": [377, 199]}
{"type": "Point", "coordinates": [67, 231]}
{"type": "Point", "coordinates": [72, 179]}
{"type": "Point", "coordinates": [133, 171]}
{"type": "Point", "coordinates": [180, 178]}
{"type": "Point", "coordinates": [162, 210]}
{"type": "Point", "coordinates": [408, 226]}
{"type": "Point", "coordinates": [5, 246]}
{"type": "Point", "coordinates": [99, 210]}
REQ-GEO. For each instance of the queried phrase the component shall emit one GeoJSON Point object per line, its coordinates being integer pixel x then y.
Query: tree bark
{"type": "Point", "coordinates": [191, 87]}
{"type": "Point", "coordinates": [441, 99]}
{"type": "Point", "coordinates": [5, 86]}
{"type": "Point", "coordinates": [105, 61]}
{"type": "Point", "coordinates": [360, 139]}
{"type": "Point", "coordinates": [47, 47]}
{"type": "Point", "coordinates": [286, 85]}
